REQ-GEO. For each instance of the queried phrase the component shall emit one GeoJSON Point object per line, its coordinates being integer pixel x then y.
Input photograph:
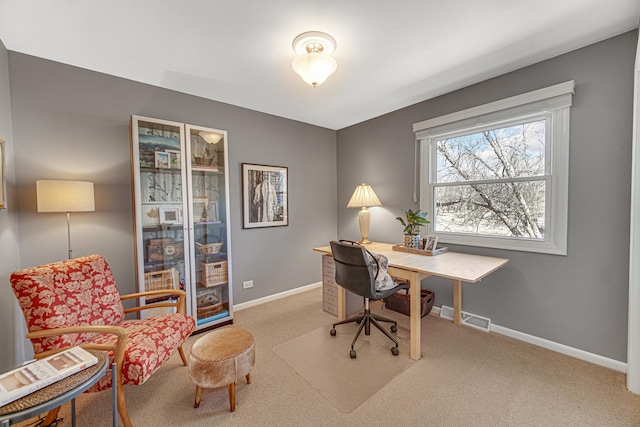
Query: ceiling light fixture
{"type": "Point", "coordinates": [314, 63]}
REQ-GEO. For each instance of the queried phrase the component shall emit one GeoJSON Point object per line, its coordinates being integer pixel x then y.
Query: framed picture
{"type": "Point", "coordinates": [3, 204]}
{"type": "Point", "coordinates": [264, 196]}
{"type": "Point", "coordinates": [200, 206]}
{"type": "Point", "coordinates": [431, 244]}
{"type": "Point", "coordinates": [150, 214]}
{"type": "Point", "coordinates": [162, 160]}
{"type": "Point", "coordinates": [169, 214]}
{"type": "Point", "coordinates": [212, 212]}
{"type": "Point", "coordinates": [174, 159]}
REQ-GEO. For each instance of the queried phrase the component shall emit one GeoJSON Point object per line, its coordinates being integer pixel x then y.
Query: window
{"type": "Point", "coordinates": [497, 175]}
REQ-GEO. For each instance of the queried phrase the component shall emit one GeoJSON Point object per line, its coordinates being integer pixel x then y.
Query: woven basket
{"type": "Point", "coordinates": [212, 274]}
{"type": "Point", "coordinates": [209, 310]}
{"type": "Point", "coordinates": [400, 302]}
{"type": "Point", "coordinates": [157, 280]}
{"type": "Point", "coordinates": [202, 161]}
{"type": "Point", "coordinates": [208, 249]}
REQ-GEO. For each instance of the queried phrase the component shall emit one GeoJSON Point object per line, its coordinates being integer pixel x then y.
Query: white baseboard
{"type": "Point", "coordinates": [554, 346]}
{"type": "Point", "coordinates": [253, 303]}
{"type": "Point", "coordinates": [561, 348]}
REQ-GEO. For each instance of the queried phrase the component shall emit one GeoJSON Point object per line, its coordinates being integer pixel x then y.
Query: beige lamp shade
{"type": "Point", "coordinates": [363, 196]}
{"type": "Point", "coordinates": [65, 196]}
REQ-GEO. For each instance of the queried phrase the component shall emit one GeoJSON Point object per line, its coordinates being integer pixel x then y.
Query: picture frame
{"type": "Point", "coordinates": [169, 214]}
{"type": "Point", "coordinates": [199, 207]}
{"type": "Point", "coordinates": [431, 244]}
{"type": "Point", "coordinates": [3, 202]}
{"type": "Point", "coordinates": [265, 198]}
{"type": "Point", "coordinates": [162, 160]}
{"type": "Point", "coordinates": [150, 214]}
{"type": "Point", "coordinates": [212, 212]}
{"type": "Point", "coordinates": [174, 159]}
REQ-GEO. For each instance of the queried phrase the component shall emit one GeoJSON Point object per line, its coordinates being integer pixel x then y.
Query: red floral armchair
{"type": "Point", "coordinates": [76, 302]}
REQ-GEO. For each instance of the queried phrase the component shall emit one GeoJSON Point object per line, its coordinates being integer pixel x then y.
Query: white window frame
{"type": "Point", "coordinates": [553, 104]}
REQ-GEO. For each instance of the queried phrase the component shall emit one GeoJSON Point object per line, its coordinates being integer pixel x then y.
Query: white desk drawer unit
{"type": "Point", "coordinates": [329, 286]}
{"type": "Point", "coordinates": [353, 303]}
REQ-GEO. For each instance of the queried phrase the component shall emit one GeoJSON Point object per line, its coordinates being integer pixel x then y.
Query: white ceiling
{"type": "Point", "coordinates": [390, 54]}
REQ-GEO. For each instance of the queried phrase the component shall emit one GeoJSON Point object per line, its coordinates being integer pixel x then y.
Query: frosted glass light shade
{"type": "Point", "coordinates": [363, 196]}
{"type": "Point", "coordinates": [211, 137]}
{"type": "Point", "coordinates": [314, 68]}
{"type": "Point", "coordinates": [65, 196]}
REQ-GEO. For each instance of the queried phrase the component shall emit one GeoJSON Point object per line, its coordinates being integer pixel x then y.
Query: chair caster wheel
{"type": "Point", "coordinates": [352, 354]}
{"type": "Point", "coordinates": [395, 351]}
{"type": "Point", "coordinates": [332, 332]}
{"type": "Point", "coordinates": [394, 329]}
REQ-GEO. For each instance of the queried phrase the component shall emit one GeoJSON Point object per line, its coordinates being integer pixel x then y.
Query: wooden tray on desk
{"type": "Point", "coordinates": [438, 251]}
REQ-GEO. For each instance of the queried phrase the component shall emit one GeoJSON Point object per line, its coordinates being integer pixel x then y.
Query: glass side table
{"type": "Point", "coordinates": [54, 395]}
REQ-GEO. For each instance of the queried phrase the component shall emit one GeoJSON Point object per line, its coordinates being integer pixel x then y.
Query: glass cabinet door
{"type": "Point", "coordinates": [206, 151]}
{"type": "Point", "coordinates": [159, 184]}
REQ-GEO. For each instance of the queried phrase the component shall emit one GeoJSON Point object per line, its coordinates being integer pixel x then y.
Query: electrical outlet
{"type": "Point", "coordinates": [248, 284]}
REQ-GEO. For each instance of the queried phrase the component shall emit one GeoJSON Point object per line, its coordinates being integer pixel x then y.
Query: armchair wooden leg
{"type": "Point", "coordinates": [182, 356]}
{"type": "Point", "coordinates": [52, 415]}
{"type": "Point", "coordinates": [122, 404]}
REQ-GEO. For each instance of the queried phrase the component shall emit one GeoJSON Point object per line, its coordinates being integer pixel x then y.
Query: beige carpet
{"type": "Point", "coordinates": [324, 362]}
{"type": "Point", "coordinates": [465, 378]}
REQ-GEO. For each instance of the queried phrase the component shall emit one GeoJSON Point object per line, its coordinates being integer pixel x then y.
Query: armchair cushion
{"type": "Point", "coordinates": [150, 343]}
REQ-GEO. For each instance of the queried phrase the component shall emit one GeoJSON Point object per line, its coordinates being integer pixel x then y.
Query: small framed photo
{"type": "Point", "coordinates": [150, 214]}
{"type": "Point", "coordinates": [265, 196]}
{"type": "Point", "coordinates": [431, 244]}
{"type": "Point", "coordinates": [162, 160]}
{"type": "Point", "coordinates": [169, 214]}
{"type": "Point", "coordinates": [213, 212]}
{"type": "Point", "coordinates": [200, 205]}
{"type": "Point", "coordinates": [174, 159]}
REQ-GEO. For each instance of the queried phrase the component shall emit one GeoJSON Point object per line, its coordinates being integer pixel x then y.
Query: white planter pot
{"type": "Point", "coordinates": [411, 241]}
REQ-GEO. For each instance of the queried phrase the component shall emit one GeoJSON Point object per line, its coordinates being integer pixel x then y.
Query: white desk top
{"type": "Point", "coordinates": [453, 265]}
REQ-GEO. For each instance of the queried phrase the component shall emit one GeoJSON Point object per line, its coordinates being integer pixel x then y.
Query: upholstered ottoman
{"type": "Point", "coordinates": [219, 359]}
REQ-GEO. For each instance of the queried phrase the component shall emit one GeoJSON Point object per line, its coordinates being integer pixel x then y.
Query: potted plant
{"type": "Point", "coordinates": [411, 223]}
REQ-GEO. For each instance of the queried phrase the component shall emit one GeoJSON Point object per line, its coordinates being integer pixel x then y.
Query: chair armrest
{"type": "Point", "coordinates": [118, 348]}
{"type": "Point", "coordinates": [180, 304]}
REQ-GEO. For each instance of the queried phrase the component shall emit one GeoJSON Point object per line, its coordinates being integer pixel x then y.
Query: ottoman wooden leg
{"type": "Point", "coordinates": [198, 396]}
{"type": "Point", "coordinates": [248, 378]}
{"type": "Point", "coordinates": [232, 396]}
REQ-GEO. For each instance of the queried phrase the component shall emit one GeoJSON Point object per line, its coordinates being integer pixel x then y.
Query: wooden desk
{"type": "Point", "coordinates": [452, 265]}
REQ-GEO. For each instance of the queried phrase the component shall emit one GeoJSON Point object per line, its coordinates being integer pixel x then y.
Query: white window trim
{"type": "Point", "coordinates": [554, 101]}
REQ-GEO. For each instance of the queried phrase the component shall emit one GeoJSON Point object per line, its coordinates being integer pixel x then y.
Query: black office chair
{"type": "Point", "coordinates": [355, 272]}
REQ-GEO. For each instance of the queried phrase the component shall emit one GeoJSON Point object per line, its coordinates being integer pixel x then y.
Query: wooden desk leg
{"type": "Point", "coordinates": [414, 305]}
{"type": "Point", "coordinates": [342, 303]}
{"type": "Point", "coordinates": [457, 302]}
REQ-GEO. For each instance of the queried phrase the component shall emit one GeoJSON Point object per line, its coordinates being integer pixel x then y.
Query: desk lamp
{"type": "Point", "coordinates": [65, 196]}
{"type": "Point", "coordinates": [362, 197]}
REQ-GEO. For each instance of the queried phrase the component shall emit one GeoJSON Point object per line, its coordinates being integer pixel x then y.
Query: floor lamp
{"type": "Point", "coordinates": [362, 197]}
{"type": "Point", "coordinates": [65, 196]}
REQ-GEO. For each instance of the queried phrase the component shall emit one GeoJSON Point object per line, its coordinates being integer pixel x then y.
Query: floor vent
{"type": "Point", "coordinates": [469, 319]}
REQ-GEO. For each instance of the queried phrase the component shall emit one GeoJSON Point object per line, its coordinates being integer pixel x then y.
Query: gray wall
{"type": "Point", "coordinates": [579, 300]}
{"type": "Point", "coordinates": [9, 313]}
{"type": "Point", "coordinates": [70, 123]}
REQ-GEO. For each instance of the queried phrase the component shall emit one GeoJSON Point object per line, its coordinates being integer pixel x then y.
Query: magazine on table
{"type": "Point", "coordinates": [35, 375]}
